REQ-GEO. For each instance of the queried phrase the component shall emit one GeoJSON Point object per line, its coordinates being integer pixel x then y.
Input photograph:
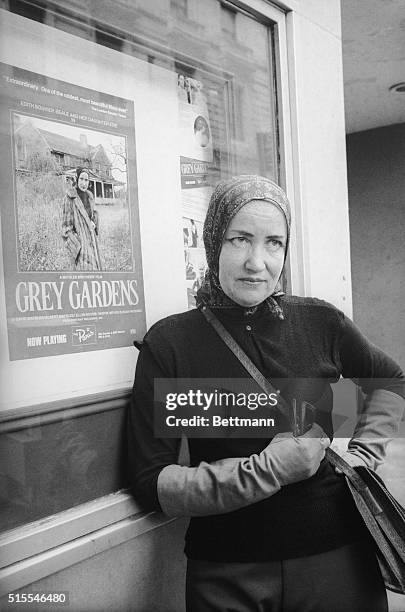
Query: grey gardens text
{"type": "Point", "coordinates": [50, 295]}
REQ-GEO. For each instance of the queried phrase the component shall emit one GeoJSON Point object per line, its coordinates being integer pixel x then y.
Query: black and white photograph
{"type": "Point", "coordinates": [202, 287]}
{"type": "Point", "coordinates": [71, 197]}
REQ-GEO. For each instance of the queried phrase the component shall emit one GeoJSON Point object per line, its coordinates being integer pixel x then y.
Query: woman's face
{"type": "Point", "coordinates": [83, 181]}
{"type": "Point", "coordinates": [252, 254]}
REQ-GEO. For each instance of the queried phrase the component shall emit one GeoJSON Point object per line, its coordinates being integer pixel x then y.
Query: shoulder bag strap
{"type": "Point", "coordinates": [247, 362]}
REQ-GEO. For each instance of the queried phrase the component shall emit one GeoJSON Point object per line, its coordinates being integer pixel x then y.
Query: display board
{"type": "Point", "coordinates": [203, 160]}
{"type": "Point", "coordinates": [68, 322]}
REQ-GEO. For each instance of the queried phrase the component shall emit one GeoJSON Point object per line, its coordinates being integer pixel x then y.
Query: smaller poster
{"type": "Point", "coordinates": [196, 157]}
{"type": "Point", "coordinates": [195, 133]}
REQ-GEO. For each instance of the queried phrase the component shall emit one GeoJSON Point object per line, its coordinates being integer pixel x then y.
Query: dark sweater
{"type": "Point", "coordinates": [314, 341]}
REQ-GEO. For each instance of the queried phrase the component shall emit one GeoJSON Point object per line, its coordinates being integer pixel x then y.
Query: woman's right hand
{"type": "Point", "coordinates": [297, 458]}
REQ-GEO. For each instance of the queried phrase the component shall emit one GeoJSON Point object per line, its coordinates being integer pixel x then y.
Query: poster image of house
{"type": "Point", "coordinates": [59, 226]}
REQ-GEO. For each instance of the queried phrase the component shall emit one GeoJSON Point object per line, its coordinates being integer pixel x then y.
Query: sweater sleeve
{"type": "Point", "coordinates": [147, 454]}
{"type": "Point", "coordinates": [368, 365]}
{"type": "Point", "coordinates": [383, 383]}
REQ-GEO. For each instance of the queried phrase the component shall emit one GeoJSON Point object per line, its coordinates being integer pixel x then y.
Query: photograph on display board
{"type": "Point", "coordinates": [202, 131]}
{"type": "Point", "coordinates": [194, 122]}
{"type": "Point", "coordinates": [194, 257]}
{"type": "Point", "coordinates": [70, 227]}
{"type": "Point", "coordinates": [71, 197]}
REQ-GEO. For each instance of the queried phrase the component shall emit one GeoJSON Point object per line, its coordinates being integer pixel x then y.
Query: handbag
{"type": "Point", "coordinates": [383, 516]}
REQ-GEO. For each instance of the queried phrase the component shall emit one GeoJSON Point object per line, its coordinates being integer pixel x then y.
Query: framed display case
{"type": "Point", "coordinates": [154, 122]}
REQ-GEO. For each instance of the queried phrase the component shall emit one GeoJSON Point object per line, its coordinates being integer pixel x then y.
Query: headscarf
{"type": "Point", "coordinates": [227, 199]}
{"type": "Point", "coordinates": [83, 195]}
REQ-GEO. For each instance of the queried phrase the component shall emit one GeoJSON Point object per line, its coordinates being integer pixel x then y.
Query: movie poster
{"type": "Point", "coordinates": [196, 162]}
{"type": "Point", "coordinates": [71, 240]}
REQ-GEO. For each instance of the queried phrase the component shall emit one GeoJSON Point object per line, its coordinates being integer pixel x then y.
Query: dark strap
{"type": "Point", "coordinates": [284, 408]}
{"type": "Point", "coordinates": [247, 362]}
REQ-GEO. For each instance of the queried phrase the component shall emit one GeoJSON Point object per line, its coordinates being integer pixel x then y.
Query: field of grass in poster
{"type": "Point", "coordinates": [43, 179]}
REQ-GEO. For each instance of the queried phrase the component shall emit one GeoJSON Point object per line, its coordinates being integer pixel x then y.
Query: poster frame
{"type": "Point", "coordinates": [17, 28]}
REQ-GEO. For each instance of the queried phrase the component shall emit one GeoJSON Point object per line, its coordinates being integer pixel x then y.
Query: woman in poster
{"type": "Point", "coordinates": [80, 224]}
{"type": "Point", "coordinates": [194, 234]}
{"type": "Point", "coordinates": [273, 526]}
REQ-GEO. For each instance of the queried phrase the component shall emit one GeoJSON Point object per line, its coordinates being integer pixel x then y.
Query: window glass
{"type": "Point", "coordinates": [50, 467]}
{"type": "Point", "coordinates": [212, 68]}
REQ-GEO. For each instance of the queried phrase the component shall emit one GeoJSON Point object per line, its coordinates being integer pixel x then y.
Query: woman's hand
{"type": "Point", "coordinates": [352, 459]}
{"type": "Point", "coordinates": [297, 458]}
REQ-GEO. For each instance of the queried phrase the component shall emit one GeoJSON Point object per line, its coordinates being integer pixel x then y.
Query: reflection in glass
{"type": "Point", "coordinates": [48, 468]}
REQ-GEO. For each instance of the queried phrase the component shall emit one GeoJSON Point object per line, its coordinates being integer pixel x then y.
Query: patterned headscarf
{"type": "Point", "coordinates": [83, 195]}
{"type": "Point", "coordinates": [79, 170]}
{"type": "Point", "coordinates": [227, 199]}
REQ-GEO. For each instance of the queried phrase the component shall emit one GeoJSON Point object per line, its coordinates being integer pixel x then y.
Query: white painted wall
{"type": "Point", "coordinates": [318, 134]}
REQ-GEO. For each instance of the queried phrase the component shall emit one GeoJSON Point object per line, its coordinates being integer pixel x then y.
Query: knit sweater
{"type": "Point", "coordinates": [314, 341]}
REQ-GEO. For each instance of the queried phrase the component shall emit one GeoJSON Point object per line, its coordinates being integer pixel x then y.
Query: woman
{"type": "Point", "coordinates": [201, 131]}
{"type": "Point", "coordinates": [273, 526]}
{"type": "Point", "coordinates": [80, 224]}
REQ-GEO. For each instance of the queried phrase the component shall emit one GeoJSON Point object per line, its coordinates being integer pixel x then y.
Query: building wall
{"type": "Point", "coordinates": [376, 179]}
{"type": "Point", "coordinates": [143, 574]}
{"type": "Point", "coordinates": [376, 183]}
